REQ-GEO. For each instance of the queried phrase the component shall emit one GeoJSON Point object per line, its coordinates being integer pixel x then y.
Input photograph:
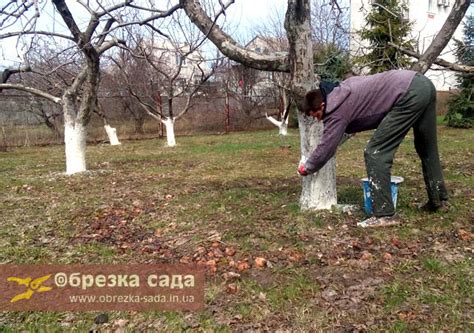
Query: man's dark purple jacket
{"type": "Point", "coordinates": [357, 104]}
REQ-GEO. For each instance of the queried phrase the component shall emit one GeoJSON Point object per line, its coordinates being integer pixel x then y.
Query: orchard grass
{"type": "Point", "coordinates": [239, 193]}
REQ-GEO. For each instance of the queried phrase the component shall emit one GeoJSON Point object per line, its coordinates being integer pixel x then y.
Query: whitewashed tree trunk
{"type": "Point", "coordinates": [170, 137]}
{"type": "Point", "coordinates": [283, 128]}
{"type": "Point", "coordinates": [318, 190]}
{"type": "Point", "coordinates": [112, 135]}
{"type": "Point", "coordinates": [282, 125]}
{"type": "Point", "coordinates": [75, 135]}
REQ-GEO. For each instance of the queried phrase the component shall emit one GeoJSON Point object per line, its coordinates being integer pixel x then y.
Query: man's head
{"type": "Point", "coordinates": [313, 104]}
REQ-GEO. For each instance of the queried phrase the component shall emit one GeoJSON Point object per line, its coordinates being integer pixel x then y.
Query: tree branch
{"type": "Point", "coordinates": [228, 46]}
{"type": "Point", "coordinates": [438, 44]}
{"type": "Point", "coordinates": [438, 61]}
{"type": "Point", "coordinates": [109, 44]}
{"type": "Point", "coordinates": [45, 33]}
{"type": "Point", "coordinates": [161, 14]}
{"type": "Point", "coordinates": [67, 17]}
{"type": "Point", "coordinates": [10, 71]}
{"type": "Point", "coordinates": [33, 91]}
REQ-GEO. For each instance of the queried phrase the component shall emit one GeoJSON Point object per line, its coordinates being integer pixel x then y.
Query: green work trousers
{"type": "Point", "coordinates": [417, 110]}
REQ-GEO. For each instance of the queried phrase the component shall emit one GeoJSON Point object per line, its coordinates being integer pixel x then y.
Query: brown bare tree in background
{"type": "Point", "coordinates": [165, 68]}
{"type": "Point", "coordinates": [91, 41]}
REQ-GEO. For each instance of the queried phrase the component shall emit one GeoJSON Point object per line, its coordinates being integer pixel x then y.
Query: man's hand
{"type": "Point", "coordinates": [302, 171]}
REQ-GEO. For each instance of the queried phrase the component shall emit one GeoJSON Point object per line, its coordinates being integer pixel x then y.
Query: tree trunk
{"type": "Point", "coordinates": [284, 110]}
{"type": "Point", "coordinates": [53, 127]}
{"type": "Point", "coordinates": [75, 144]}
{"type": "Point", "coordinates": [111, 131]}
{"type": "Point", "coordinates": [77, 112]}
{"type": "Point", "coordinates": [318, 190]}
{"type": "Point", "coordinates": [139, 122]}
{"type": "Point", "coordinates": [112, 134]}
{"type": "Point", "coordinates": [283, 128]}
{"type": "Point", "coordinates": [227, 111]}
{"type": "Point", "coordinates": [170, 138]}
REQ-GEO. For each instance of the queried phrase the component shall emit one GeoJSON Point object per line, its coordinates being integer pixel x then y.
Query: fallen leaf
{"type": "Point", "coordinates": [232, 288]}
{"type": "Point", "coordinates": [217, 253]}
{"type": "Point", "coordinates": [295, 256]}
{"type": "Point", "coordinates": [260, 262]}
{"type": "Point", "coordinates": [230, 276]}
{"type": "Point", "coordinates": [366, 256]}
{"type": "Point", "coordinates": [395, 242]}
{"type": "Point", "coordinates": [230, 251]}
{"type": "Point", "coordinates": [465, 235]}
{"type": "Point", "coordinates": [387, 257]}
{"type": "Point", "coordinates": [356, 245]}
{"type": "Point", "coordinates": [407, 315]}
{"type": "Point", "coordinates": [211, 265]}
{"type": "Point", "coordinates": [185, 260]}
{"type": "Point", "coordinates": [242, 266]}
{"type": "Point", "coordinates": [120, 323]}
{"type": "Point", "coordinates": [214, 236]}
{"type": "Point", "coordinates": [199, 251]}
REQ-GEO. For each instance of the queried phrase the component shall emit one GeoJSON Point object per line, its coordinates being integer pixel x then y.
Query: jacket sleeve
{"type": "Point", "coordinates": [333, 132]}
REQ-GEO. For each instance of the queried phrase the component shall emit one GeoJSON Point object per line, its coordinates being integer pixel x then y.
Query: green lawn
{"type": "Point", "coordinates": [323, 273]}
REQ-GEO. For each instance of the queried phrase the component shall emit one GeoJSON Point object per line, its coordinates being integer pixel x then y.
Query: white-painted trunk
{"type": "Point", "coordinates": [112, 134]}
{"type": "Point", "coordinates": [318, 190]}
{"type": "Point", "coordinates": [75, 145]}
{"type": "Point", "coordinates": [169, 125]}
{"type": "Point", "coordinates": [282, 126]}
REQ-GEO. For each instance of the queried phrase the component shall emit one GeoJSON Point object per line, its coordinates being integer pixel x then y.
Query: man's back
{"type": "Point", "coordinates": [363, 101]}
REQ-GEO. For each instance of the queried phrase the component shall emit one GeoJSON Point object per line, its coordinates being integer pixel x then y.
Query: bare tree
{"type": "Point", "coordinates": [111, 131]}
{"type": "Point", "coordinates": [163, 70]}
{"type": "Point", "coordinates": [114, 86]}
{"type": "Point", "coordinates": [284, 107]}
{"type": "Point", "coordinates": [319, 190]}
{"type": "Point", "coordinates": [329, 31]}
{"type": "Point", "coordinates": [91, 41]}
{"type": "Point", "coordinates": [246, 87]}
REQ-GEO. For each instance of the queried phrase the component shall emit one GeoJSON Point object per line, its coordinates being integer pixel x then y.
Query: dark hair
{"type": "Point", "coordinates": [312, 101]}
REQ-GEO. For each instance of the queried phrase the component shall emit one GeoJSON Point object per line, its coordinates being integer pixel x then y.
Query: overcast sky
{"type": "Point", "coordinates": [250, 13]}
{"type": "Point", "coordinates": [243, 16]}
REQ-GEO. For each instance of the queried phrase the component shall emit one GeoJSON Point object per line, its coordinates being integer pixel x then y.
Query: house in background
{"type": "Point", "coordinates": [428, 17]}
{"type": "Point", "coordinates": [267, 81]}
{"type": "Point", "coordinates": [171, 56]}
